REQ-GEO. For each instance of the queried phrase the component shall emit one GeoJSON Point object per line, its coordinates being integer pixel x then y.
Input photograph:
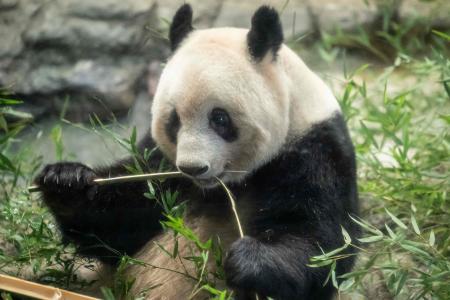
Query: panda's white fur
{"type": "Point", "coordinates": [271, 102]}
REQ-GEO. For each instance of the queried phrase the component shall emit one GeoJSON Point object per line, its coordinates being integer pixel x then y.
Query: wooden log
{"type": "Point", "coordinates": [38, 291]}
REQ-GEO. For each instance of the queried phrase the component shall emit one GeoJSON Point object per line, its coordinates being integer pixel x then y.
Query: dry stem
{"type": "Point", "coordinates": [131, 178]}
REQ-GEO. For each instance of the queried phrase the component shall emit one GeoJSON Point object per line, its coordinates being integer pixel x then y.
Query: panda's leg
{"type": "Point", "coordinates": [103, 221]}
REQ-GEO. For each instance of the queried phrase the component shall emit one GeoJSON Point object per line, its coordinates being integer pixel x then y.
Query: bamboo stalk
{"type": "Point", "coordinates": [140, 177]}
{"type": "Point", "coordinates": [38, 291]}
{"type": "Point", "coordinates": [233, 206]}
{"type": "Point", "coordinates": [131, 178]}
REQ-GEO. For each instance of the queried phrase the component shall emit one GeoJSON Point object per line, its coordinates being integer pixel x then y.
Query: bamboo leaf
{"type": "Point", "coordinates": [6, 164]}
{"type": "Point", "coordinates": [415, 250]}
{"type": "Point", "coordinates": [396, 220]}
{"type": "Point", "coordinates": [347, 238]}
{"type": "Point", "coordinates": [321, 263]}
{"type": "Point", "coordinates": [391, 233]}
{"type": "Point", "coordinates": [371, 239]}
{"type": "Point", "coordinates": [346, 284]}
{"type": "Point", "coordinates": [432, 239]}
{"type": "Point", "coordinates": [441, 34]}
{"type": "Point", "coordinates": [414, 225]}
{"type": "Point", "coordinates": [333, 279]}
{"type": "Point", "coordinates": [5, 101]}
{"type": "Point", "coordinates": [366, 226]}
{"type": "Point", "coordinates": [401, 282]}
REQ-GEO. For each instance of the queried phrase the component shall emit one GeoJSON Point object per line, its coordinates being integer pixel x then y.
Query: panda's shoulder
{"type": "Point", "coordinates": [324, 145]}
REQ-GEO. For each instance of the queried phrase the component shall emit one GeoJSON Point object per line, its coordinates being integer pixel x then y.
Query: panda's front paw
{"type": "Point", "coordinates": [66, 180]}
{"type": "Point", "coordinates": [244, 271]}
{"type": "Point", "coordinates": [253, 267]}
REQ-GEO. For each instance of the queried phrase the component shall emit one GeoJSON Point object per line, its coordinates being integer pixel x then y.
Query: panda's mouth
{"type": "Point", "coordinates": [209, 182]}
{"type": "Point", "coordinates": [206, 183]}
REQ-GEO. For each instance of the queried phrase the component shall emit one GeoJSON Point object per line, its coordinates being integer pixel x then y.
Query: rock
{"type": "Point", "coordinates": [78, 50]}
{"type": "Point", "coordinates": [14, 18]}
{"type": "Point", "coordinates": [8, 4]}
{"type": "Point", "coordinates": [329, 15]}
{"type": "Point", "coordinates": [205, 12]}
{"type": "Point", "coordinates": [438, 11]}
{"type": "Point", "coordinates": [95, 28]}
{"type": "Point", "coordinates": [294, 15]}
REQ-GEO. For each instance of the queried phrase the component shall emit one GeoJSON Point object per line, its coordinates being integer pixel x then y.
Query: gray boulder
{"type": "Point", "coordinates": [93, 53]}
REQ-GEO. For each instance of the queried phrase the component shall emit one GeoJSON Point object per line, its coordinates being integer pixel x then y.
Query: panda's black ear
{"type": "Point", "coordinates": [181, 26]}
{"type": "Point", "coordinates": [266, 33]}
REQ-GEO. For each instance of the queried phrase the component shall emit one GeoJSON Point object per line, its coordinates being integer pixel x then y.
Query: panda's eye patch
{"type": "Point", "coordinates": [173, 126]}
{"type": "Point", "coordinates": [221, 123]}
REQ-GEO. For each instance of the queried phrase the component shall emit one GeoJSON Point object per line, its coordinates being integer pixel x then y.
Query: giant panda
{"type": "Point", "coordinates": [228, 99]}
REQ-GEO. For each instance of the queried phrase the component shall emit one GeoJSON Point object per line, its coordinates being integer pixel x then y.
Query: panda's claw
{"type": "Point", "coordinates": [65, 178]}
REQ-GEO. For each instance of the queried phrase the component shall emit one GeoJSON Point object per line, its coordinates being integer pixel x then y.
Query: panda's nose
{"type": "Point", "coordinates": [194, 170]}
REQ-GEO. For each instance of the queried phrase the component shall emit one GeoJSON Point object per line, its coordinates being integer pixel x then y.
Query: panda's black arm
{"type": "Point", "coordinates": [103, 221]}
{"type": "Point", "coordinates": [302, 199]}
{"type": "Point", "coordinates": [273, 261]}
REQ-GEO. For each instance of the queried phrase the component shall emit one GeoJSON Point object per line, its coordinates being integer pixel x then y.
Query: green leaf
{"type": "Point", "coordinates": [214, 291]}
{"type": "Point", "coordinates": [164, 249]}
{"type": "Point", "coordinates": [414, 225]}
{"type": "Point", "coordinates": [432, 238]}
{"type": "Point", "coordinates": [56, 136]}
{"type": "Point", "coordinates": [107, 293]}
{"type": "Point", "coordinates": [133, 137]}
{"type": "Point", "coordinates": [18, 114]}
{"type": "Point", "coordinates": [346, 284]}
{"type": "Point", "coordinates": [447, 87]}
{"type": "Point", "coordinates": [359, 70]}
{"type": "Point", "coordinates": [446, 118]}
{"type": "Point", "coordinates": [441, 34]}
{"type": "Point", "coordinates": [347, 238]}
{"type": "Point", "coordinates": [6, 164]}
{"type": "Point", "coordinates": [328, 254]}
{"type": "Point", "coordinates": [371, 239]}
{"type": "Point", "coordinates": [396, 220]}
{"type": "Point", "coordinates": [332, 268]}
{"type": "Point", "coordinates": [4, 101]}
{"type": "Point", "coordinates": [391, 233]}
{"type": "Point", "coordinates": [415, 250]}
{"type": "Point", "coordinates": [366, 226]}
{"type": "Point", "coordinates": [178, 226]}
{"type": "Point", "coordinates": [3, 123]}
{"type": "Point", "coordinates": [401, 282]}
{"type": "Point", "coordinates": [333, 279]}
{"type": "Point", "coordinates": [322, 263]}
{"type": "Point", "coordinates": [175, 249]}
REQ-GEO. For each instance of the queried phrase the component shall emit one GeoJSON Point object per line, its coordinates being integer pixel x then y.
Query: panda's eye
{"type": "Point", "coordinates": [220, 118]}
{"type": "Point", "coordinates": [220, 122]}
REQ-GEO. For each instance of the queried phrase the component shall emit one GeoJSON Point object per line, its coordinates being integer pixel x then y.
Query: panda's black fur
{"type": "Point", "coordinates": [301, 198]}
{"type": "Point", "coordinates": [266, 34]}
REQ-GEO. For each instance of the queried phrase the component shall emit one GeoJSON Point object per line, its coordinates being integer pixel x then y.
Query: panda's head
{"type": "Point", "coordinates": [222, 103]}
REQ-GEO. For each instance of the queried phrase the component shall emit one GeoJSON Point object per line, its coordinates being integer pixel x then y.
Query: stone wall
{"type": "Point", "coordinates": [95, 55]}
{"type": "Point", "coordinates": [85, 51]}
